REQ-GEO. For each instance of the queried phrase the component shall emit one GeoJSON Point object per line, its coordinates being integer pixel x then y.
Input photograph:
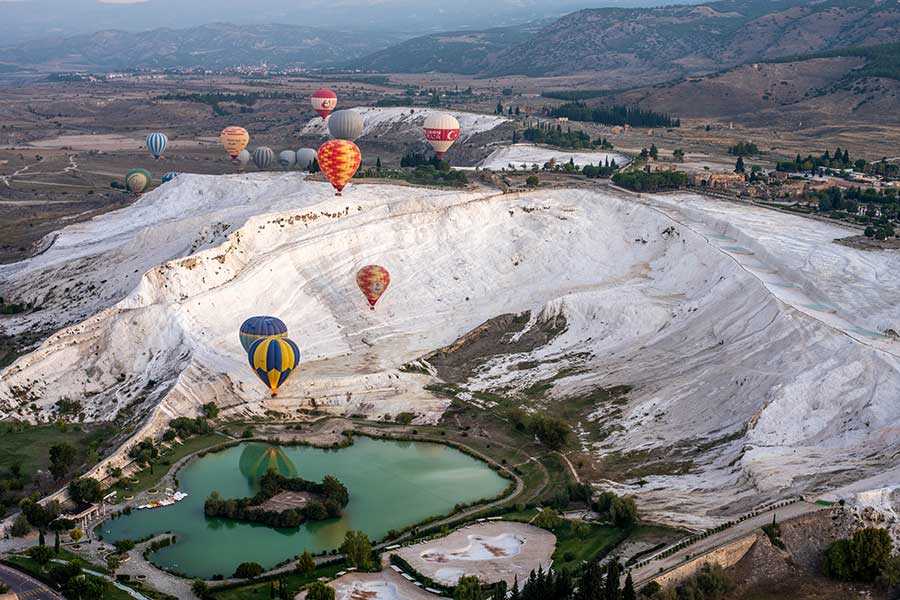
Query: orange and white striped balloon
{"type": "Point", "coordinates": [234, 139]}
{"type": "Point", "coordinates": [339, 160]}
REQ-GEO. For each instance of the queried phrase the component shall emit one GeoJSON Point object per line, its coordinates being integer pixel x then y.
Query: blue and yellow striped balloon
{"type": "Point", "coordinates": [273, 359]}
{"type": "Point", "coordinates": [156, 143]}
{"type": "Point", "coordinates": [262, 326]}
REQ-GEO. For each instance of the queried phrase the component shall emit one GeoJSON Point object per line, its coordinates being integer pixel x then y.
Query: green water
{"type": "Point", "coordinates": [391, 484]}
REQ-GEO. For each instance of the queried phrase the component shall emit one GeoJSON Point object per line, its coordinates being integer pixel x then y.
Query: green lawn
{"type": "Point", "coordinates": [29, 447]}
{"type": "Point", "coordinates": [572, 550]}
{"type": "Point", "coordinates": [151, 476]}
{"type": "Point", "coordinates": [293, 581]}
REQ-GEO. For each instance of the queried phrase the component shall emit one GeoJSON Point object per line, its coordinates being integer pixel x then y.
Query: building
{"type": "Point", "coordinates": [719, 181]}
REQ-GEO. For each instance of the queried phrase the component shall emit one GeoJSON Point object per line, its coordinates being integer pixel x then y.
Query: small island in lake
{"type": "Point", "coordinates": [283, 501]}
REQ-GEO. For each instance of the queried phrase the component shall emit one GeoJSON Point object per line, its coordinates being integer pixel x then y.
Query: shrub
{"type": "Point", "coordinates": [248, 570]}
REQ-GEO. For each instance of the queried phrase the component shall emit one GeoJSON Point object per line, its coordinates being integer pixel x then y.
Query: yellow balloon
{"type": "Point", "coordinates": [234, 139]}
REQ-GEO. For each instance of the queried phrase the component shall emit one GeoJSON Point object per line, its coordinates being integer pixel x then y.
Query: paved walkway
{"type": "Point", "coordinates": [26, 587]}
{"type": "Point", "coordinates": [652, 569]}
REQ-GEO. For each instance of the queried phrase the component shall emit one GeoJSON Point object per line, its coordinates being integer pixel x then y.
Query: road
{"type": "Point", "coordinates": [657, 566]}
{"type": "Point", "coordinates": [26, 587]}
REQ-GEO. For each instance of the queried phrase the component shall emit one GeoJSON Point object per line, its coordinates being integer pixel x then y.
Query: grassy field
{"type": "Point", "coordinates": [29, 447]}
{"type": "Point", "coordinates": [293, 581]}
{"type": "Point", "coordinates": [151, 476]}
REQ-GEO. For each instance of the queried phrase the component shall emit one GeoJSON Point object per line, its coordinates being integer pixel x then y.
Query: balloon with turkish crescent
{"type": "Point", "coordinates": [323, 102]}
{"type": "Point", "coordinates": [441, 130]}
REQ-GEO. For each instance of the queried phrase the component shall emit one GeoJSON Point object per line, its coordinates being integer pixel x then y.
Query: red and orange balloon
{"type": "Point", "coordinates": [373, 280]}
{"type": "Point", "coordinates": [339, 160]}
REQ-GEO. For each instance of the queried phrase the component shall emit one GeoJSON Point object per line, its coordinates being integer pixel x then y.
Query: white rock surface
{"type": "Point", "coordinates": [408, 120]}
{"type": "Point", "coordinates": [530, 154]}
{"type": "Point", "coordinates": [742, 330]}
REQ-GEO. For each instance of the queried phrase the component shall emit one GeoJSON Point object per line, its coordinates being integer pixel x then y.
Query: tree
{"type": "Point", "coordinates": [41, 555]}
{"type": "Point", "coordinates": [248, 570]}
{"type": "Point", "coordinates": [532, 181]}
{"type": "Point", "coordinates": [613, 574]}
{"type": "Point", "coordinates": [468, 588]}
{"type": "Point", "coordinates": [200, 589]}
{"type": "Point", "coordinates": [739, 165]}
{"type": "Point", "coordinates": [320, 591]}
{"type": "Point", "coordinates": [357, 549]}
{"type": "Point", "coordinates": [112, 562]}
{"type": "Point", "coordinates": [591, 585]}
{"type": "Point", "coordinates": [378, 164]}
{"type": "Point", "coordinates": [39, 516]}
{"type": "Point", "coordinates": [499, 109]}
{"type": "Point", "coordinates": [678, 154]}
{"type": "Point", "coordinates": [62, 457]}
{"type": "Point", "coordinates": [654, 151]}
{"type": "Point", "coordinates": [628, 591]}
{"type": "Point", "coordinates": [20, 527]}
{"type": "Point", "coordinates": [623, 511]}
{"type": "Point", "coordinates": [306, 564]}
{"type": "Point", "coordinates": [124, 545]}
{"type": "Point", "coordinates": [210, 410]}
{"type": "Point", "coordinates": [57, 526]}
{"type": "Point", "coordinates": [86, 490]}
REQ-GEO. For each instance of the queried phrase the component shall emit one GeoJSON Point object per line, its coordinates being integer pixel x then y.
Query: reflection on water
{"type": "Point", "coordinates": [392, 485]}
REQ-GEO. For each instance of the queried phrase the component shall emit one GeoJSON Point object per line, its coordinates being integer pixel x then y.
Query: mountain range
{"type": "Point", "coordinates": [655, 43]}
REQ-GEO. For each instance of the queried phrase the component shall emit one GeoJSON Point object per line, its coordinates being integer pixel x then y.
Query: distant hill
{"type": "Point", "coordinates": [212, 46]}
{"type": "Point", "coordinates": [848, 84]}
{"type": "Point", "coordinates": [465, 52]}
{"type": "Point", "coordinates": [658, 44]}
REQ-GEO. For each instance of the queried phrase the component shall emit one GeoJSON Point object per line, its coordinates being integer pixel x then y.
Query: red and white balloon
{"type": "Point", "coordinates": [441, 130]}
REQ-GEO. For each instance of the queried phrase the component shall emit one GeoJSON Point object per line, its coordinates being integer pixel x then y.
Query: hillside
{"type": "Point", "coordinates": [216, 45]}
{"type": "Point", "coordinates": [465, 52]}
{"type": "Point", "coordinates": [853, 84]}
{"type": "Point", "coordinates": [696, 304]}
{"type": "Point", "coordinates": [636, 45]}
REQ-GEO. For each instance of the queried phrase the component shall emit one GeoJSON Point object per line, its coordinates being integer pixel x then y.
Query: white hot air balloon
{"type": "Point", "coordinates": [345, 125]}
{"type": "Point", "coordinates": [287, 158]}
{"type": "Point", "coordinates": [305, 158]}
{"type": "Point", "coordinates": [441, 130]}
{"type": "Point", "coordinates": [243, 158]}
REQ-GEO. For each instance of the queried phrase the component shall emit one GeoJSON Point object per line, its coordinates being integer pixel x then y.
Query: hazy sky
{"type": "Point", "coordinates": [33, 19]}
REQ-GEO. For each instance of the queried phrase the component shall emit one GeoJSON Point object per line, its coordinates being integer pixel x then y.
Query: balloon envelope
{"type": "Point", "coordinates": [339, 160]}
{"type": "Point", "coordinates": [137, 180]}
{"type": "Point", "coordinates": [243, 158]}
{"type": "Point", "coordinates": [345, 125]}
{"type": "Point", "coordinates": [259, 327]}
{"type": "Point", "coordinates": [263, 157]}
{"type": "Point", "coordinates": [323, 102]}
{"type": "Point", "coordinates": [273, 360]}
{"type": "Point", "coordinates": [305, 158]}
{"type": "Point", "coordinates": [156, 144]}
{"type": "Point", "coordinates": [373, 280]}
{"type": "Point", "coordinates": [441, 130]}
{"type": "Point", "coordinates": [287, 158]}
{"type": "Point", "coordinates": [234, 139]}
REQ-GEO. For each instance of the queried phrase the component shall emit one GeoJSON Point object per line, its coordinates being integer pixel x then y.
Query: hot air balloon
{"type": "Point", "coordinates": [234, 139]}
{"type": "Point", "coordinates": [156, 144]}
{"type": "Point", "coordinates": [345, 125]}
{"type": "Point", "coordinates": [243, 158]}
{"type": "Point", "coordinates": [169, 176]}
{"type": "Point", "coordinates": [305, 158]}
{"type": "Point", "coordinates": [273, 360]}
{"type": "Point", "coordinates": [263, 157]}
{"type": "Point", "coordinates": [137, 180]}
{"type": "Point", "coordinates": [339, 160]}
{"type": "Point", "coordinates": [441, 130]}
{"type": "Point", "coordinates": [287, 158]}
{"type": "Point", "coordinates": [323, 102]}
{"type": "Point", "coordinates": [373, 280]}
{"type": "Point", "coordinates": [262, 326]}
